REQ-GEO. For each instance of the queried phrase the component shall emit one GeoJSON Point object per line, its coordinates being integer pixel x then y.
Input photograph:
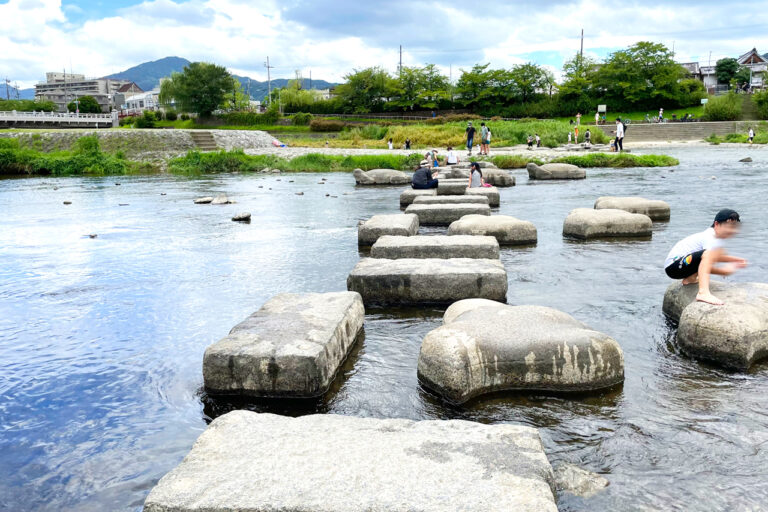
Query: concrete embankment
{"type": "Point", "coordinates": [647, 132]}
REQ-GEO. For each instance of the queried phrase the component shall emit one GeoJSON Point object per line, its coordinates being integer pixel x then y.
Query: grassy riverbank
{"type": "Point", "coordinates": [618, 160]}
{"type": "Point", "coordinates": [86, 158]}
{"type": "Point", "coordinates": [761, 136]}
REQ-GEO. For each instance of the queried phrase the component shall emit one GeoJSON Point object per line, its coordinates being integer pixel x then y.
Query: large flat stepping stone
{"type": "Point", "coordinates": [492, 193]}
{"type": "Point", "coordinates": [494, 176]}
{"type": "Point", "coordinates": [653, 208]}
{"type": "Point", "coordinates": [451, 187]}
{"type": "Point", "coordinates": [444, 214]}
{"type": "Point", "coordinates": [291, 347]}
{"type": "Point", "coordinates": [408, 195]}
{"type": "Point", "coordinates": [465, 199]}
{"type": "Point", "coordinates": [412, 281]}
{"type": "Point", "coordinates": [586, 223]}
{"type": "Point", "coordinates": [444, 247]}
{"type": "Point", "coordinates": [251, 462]}
{"type": "Point", "coordinates": [483, 347]}
{"type": "Point", "coordinates": [379, 225]}
{"type": "Point", "coordinates": [555, 172]}
{"type": "Point", "coordinates": [507, 230]}
{"type": "Point", "coordinates": [734, 335]}
{"type": "Point", "coordinates": [381, 177]}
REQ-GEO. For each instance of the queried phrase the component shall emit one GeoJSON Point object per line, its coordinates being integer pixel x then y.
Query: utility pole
{"type": "Point", "coordinates": [269, 80]}
{"type": "Point", "coordinates": [581, 53]}
{"type": "Point", "coordinates": [7, 90]}
{"type": "Point", "coordinates": [310, 79]}
{"type": "Point", "coordinates": [16, 86]}
{"type": "Point", "coordinates": [400, 66]}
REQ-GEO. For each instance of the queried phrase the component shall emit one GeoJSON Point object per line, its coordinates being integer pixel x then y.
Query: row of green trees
{"type": "Point", "coordinates": [643, 76]}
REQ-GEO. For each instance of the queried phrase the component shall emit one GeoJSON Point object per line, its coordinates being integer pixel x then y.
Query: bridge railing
{"type": "Point", "coordinates": [57, 116]}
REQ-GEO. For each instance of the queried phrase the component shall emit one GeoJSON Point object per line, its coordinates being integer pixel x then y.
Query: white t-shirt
{"type": "Point", "coordinates": [705, 240]}
{"type": "Point", "coordinates": [451, 157]}
{"type": "Point", "coordinates": [620, 130]}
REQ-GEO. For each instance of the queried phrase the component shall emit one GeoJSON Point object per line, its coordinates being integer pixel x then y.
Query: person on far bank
{"type": "Point", "coordinates": [488, 143]}
{"type": "Point", "coordinates": [588, 137]}
{"type": "Point", "coordinates": [451, 157]}
{"type": "Point", "coordinates": [530, 141]}
{"type": "Point", "coordinates": [694, 258]}
{"type": "Point", "coordinates": [389, 144]}
{"type": "Point", "coordinates": [538, 141]}
{"type": "Point", "coordinates": [750, 135]}
{"type": "Point", "coordinates": [407, 143]}
{"type": "Point", "coordinates": [470, 137]}
{"type": "Point", "coordinates": [597, 118]}
{"type": "Point", "coordinates": [425, 177]}
{"type": "Point", "coordinates": [576, 135]}
{"type": "Point", "coordinates": [475, 176]}
{"type": "Point", "coordinates": [619, 135]}
{"type": "Point", "coordinates": [661, 115]}
{"type": "Point", "coordinates": [483, 139]}
{"type": "Point", "coordinates": [578, 118]}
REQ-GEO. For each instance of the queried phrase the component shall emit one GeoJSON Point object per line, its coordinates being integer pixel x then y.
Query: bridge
{"type": "Point", "coordinates": [16, 119]}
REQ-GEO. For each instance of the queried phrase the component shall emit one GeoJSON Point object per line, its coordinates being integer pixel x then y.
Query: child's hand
{"type": "Point", "coordinates": [741, 263]}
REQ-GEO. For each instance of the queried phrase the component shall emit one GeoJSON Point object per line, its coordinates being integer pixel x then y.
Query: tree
{"type": "Point", "coordinates": [527, 79]}
{"type": "Point", "coordinates": [235, 98]}
{"type": "Point", "coordinates": [86, 105]}
{"type": "Point", "coordinates": [725, 69]}
{"type": "Point", "coordinates": [294, 98]}
{"type": "Point", "coordinates": [474, 87]}
{"type": "Point", "coordinates": [743, 75]}
{"type": "Point", "coordinates": [200, 87]}
{"type": "Point", "coordinates": [579, 77]}
{"type": "Point", "coordinates": [366, 90]}
{"type": "Point", "coordinates": [420, 88]}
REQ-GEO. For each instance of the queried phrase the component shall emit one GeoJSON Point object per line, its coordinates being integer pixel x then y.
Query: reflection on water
{"type": "Point", "coordinates": [101, 339]}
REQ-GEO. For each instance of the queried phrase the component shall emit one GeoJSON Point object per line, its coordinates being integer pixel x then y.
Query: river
{"type": "Point", "coordinates": [101, 339]}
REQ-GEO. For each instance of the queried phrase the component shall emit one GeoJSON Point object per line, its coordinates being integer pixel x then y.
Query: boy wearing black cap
{"type": "Point", "coordinates": [695, 257]}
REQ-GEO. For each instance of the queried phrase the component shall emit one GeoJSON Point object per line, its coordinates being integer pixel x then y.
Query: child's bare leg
{"type": "Point", "coordinates": [691, 279]}
{"type": "Point", "coordinates": [706, 268]}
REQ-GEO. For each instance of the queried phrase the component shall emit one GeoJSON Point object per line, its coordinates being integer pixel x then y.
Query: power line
{"type": "Point", "coordinates": [269, 80]}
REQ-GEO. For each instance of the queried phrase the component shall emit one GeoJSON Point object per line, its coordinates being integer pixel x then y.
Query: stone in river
{"type": "Point", "coordinates": [397, 224]}
{"type": "Point", "coordinates": [451, 187]}
{"type": "Point", "coordinates": [747, 160]}
{"type": "Point", "coordinates": [242, 217]}
{"type": "Point", "coordinates": [507, 230]}
{"type": "Point", "coordinates": [492, 193]}
{"type": "Point", "coordinates": [203, 200]}
{"type": "Point", "coordinates": [220, 199]}
{"type": "Point", "coordinates": [291, 347]}
{"type": "Point", "coordinates": [444, 247]}
{"type": "Point", "coordinates": [555, 172]}
{"type": "Point", "coordinates": [484, 347]}
{"type": "Point", "coordinates": [412, 281]}
{"type": "Point", "coordinates": [578, 481]}
{"type": "Point", "coordinates": [472, 199]}
{"type": "Point", "coordinates": [444, 214]}
{"type": "Point", "coordinates": [734, 335]}
{"type": "Point", "coordinates": [380, 177]}
{"type": "Point", "coordinates": [657, 210]}
{"type": "Point", "coordinates": [408, 195]}
{"type": "Point", "coordinates": [247, 461]}
{"type": "Point", "coordinates": [587, 223]}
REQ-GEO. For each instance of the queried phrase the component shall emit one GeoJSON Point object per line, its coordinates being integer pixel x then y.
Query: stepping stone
{"type": "Point", "coordinates": [496, 177]}
{"type": "Point", "coordinates": [203, 200]}
{"type": "Point", "coordinates": [444, 247]}
{"type": "Point", "coordinates": [242, 217]}
{"type": "Point", "coordinates": [492, 193]}
{"type": "Point", "coordinates": [408, 195]}
{"type": "Point", "coordinates": [412, 281]}
{"type": "Point", "coordinates": [220, 199]}
{"type": "Point", "coordinates": [587, 223]}
{"type": "Point", "coordinates": [507, 230]}
{"type": "Point", "coordinates": [655, 209]}
{"type": "Point", "coordinates": [248, 461]}
{"type": "Point", "coordinates": [555, 172]}
{"type": "Point", "coordinates": [444, 214]}
{"type": "Point", "coordinates": [291, 347]}
{"type": "Point", "coordinates": [397, 224]}
{"type": "Point", "coordinates": [485, 346]}
{"type": "Point", "coordinates": [734, 335]}
{"type": "Point", "coordinates": [451, 187]}
{"type": "Point", "coordinates": [381, 177]}
{"type": "Point", "coordinates": [465, 199]}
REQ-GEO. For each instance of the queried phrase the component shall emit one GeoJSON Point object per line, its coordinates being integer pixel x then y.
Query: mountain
{"type": "Point", "coordinates": [148, 75]}
{"type": "Point", "coordinates": [9, 92]}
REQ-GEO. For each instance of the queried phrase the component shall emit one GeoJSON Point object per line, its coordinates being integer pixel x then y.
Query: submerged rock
{"type": "Point", "coordinates": [484, 346]}
{"type": "Point", "coordinates": [330, 463]}
{"type": "Point", "coordinates": [734, 335]}
{"type": "Point", "coordinates": [587, 223]}
{"type": "Point", "coordinates": [578, 481]}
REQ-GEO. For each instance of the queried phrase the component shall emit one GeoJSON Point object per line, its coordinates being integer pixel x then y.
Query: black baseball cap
{"type": "Point", "coordinates": [725, 215]}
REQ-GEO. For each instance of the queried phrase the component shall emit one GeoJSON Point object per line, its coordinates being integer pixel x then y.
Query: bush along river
{"type": "Point", "coordinates": [108, 303]}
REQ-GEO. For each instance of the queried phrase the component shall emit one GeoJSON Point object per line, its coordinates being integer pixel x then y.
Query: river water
{"type": "Point", "coordinates": [101, 339]}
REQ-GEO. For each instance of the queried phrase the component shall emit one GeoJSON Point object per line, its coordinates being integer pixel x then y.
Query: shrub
{"type": "Point", "coordinates": [185, 117]}
{"type": "Point", "coordinates": [147, 120]}
{"type": "Point", "coordinates": [513, 161]}
{"type": "Point", "coordinates": [27, 106]}
{"type": "Point", "coordinates": [761, 102]}
{"type": "Point", "coordinates": [127, 121]}
{"type": "Point", "coordinates": [618, 160]}
{"type": "Point", "coordinates": [326, 125]}
{"type": "Point", "coordinates": [301, 119]}
{"type": "Point", "coordinates": [86, 158]}
{"type": "Point", "coordinates": [723, 108]}
{"type": "Point", "coordinates": [85, 104]}
{"type": "Point", "coordinates": [170, 115]}
{"type": "Point", "coordinates": [452, 118]}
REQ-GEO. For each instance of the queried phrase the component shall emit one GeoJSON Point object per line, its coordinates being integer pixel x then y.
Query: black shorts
{"type": "Point", "coordinates": [685, 266]}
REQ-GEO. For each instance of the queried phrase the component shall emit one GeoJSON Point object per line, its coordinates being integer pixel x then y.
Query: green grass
{"type": "Point", "coordinates": [195, 162]}
{"type": "Point", "coordinates": [86, 158]}
{"type": "Point", "coordinates": [761, 135]}
{"type": "Point", "coordinates": [618, 160]}
{"type": "Point", "coordinates": [513, 161]}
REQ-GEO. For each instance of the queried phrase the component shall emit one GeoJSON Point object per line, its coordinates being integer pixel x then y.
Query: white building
{"type": "Point", "coordinates": [63, 88]}
{"type": "Point", "coordinates": [138, 103]}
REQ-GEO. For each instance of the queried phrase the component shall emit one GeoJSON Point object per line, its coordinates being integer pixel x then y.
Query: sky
{"type": "Point", "coordinates": [330, 38]}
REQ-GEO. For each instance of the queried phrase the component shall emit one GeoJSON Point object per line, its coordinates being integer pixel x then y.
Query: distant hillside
{"type": "Point", "coordinates": [148, 75]}
{"type": "Point", "coordinates": [10, 92]}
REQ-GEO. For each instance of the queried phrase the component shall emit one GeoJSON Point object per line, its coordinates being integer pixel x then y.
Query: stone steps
{"type": "Point", "coordinates": [642, 132]}
{"type": "Point", "coordinates": [204, 140]}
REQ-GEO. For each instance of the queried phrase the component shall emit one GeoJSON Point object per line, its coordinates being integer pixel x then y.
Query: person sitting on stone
{"type": "Point", "coordinates": [475, 176]}
{"type": "Point", "coordinates": [695, 257]}
{"type": "Point", "coordinates": [588, 137]}
{"type": "Point", "coordinates": [424, 177]}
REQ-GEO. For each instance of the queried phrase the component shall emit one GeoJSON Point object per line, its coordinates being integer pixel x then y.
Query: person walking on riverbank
{"type": "Point", "coordinates": [576, 135]}
{"type": "Point", "coordinates": [750, 135]}
{"type": "Point", "coordinates": [538, 141]}
{"type": "Point", "coordinates": [661, 115]}
{"type": "Point", "coordinates": [483, 139]}
{"type": "Point", "coordinates": [694, 258]}
{"type": "Point", "coordinates": [619, 135]}
{"type": "Point", "coordinates": [597, 118]}
{"type": "Point", "coordinates": [424, 177]}
{"type": "Point", "coordinates": [470, 131]}
{"type": "Point", "coordinates": [475, 176]}
{"type": "Point", "coordinates": [578, 118]}
{"type": "Point", "coordinates": [407, 143]}
{"type": "Point", "coordinates": [389, 144]}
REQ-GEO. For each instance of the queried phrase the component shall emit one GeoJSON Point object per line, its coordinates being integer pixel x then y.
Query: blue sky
{"type": "Point", "coordinates": [333, 37]}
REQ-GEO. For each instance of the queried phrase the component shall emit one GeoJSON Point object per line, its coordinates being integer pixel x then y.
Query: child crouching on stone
{"type": "Point", "coordinates": [696, 257]}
